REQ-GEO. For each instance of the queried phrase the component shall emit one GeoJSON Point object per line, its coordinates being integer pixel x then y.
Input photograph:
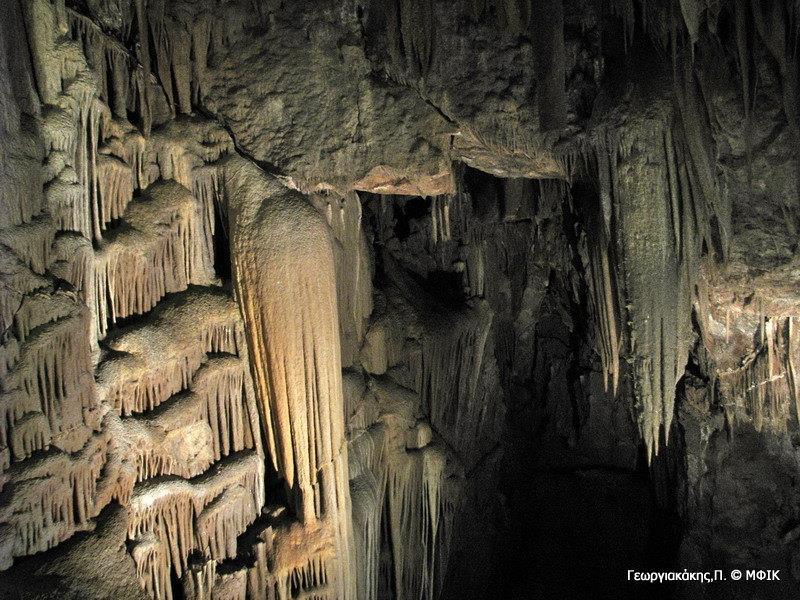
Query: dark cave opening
{"type": "Point", "coordinates": [406, 211]}
{"type": "Point", "coordinates": [576, 523]}
{"type": "Point", "coordinates": [577, 512]}
{"type": "Point", "coordinates": [222, 248]}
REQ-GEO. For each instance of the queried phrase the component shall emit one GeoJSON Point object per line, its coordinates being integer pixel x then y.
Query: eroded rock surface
{"type": "Point", "coordinates": [397, 299]}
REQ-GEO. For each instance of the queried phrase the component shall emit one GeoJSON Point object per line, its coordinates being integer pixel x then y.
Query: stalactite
{"type": "Point", "coordinates": [166, 510]}
{"type": "Point", "coordinates": [656, 244]}
{"type": "Point", "coordinates": [401, 472]}
{"type": "Point", "coordinates": [410, 27]}
{"type": "Point", "coordinates": [603, 288]}
{"type": "Point", "coordinates": [290, 560]}
{"type": "Point", "coordinates": [173, 511]}
{"type": "Point", "coordinates": [53, 497]}
{"type": "Point", "coordinates": [32, 241]}
{"type": "Point", "coordinates": [367, 493]}
{"type": "Point", "coordinates": [658, 266]}
{"type": "Point", "coordinates": [74, 130]}
{"type": "Point", "coordinates": [205, 187]}
{"type": "Point", "coordinates": [72, 261]}
{"type": "Point", "coordinates": [441, 230]}
{"type": "Point", "coordinates": [192, 429]}
{"type": "Point", "coordinates": [473, 259]}
{"type": "Point", "coordinates": [163, 244]}
{"type": "Point", "coordinates": [353, 269]}
{"type": "Point", "coordinates": [223, 520]}
{"type": "Point", "coordinates": [174, 441]}
{"type": "Point", "coordinates": [548, 39]}
{"type": "Point", "coordinates": [693, 140]}
{"type": "Point", "coordinates": [449, 381]}
{"type": "Point", "coordinates": [181, 39]}
{"type": "Point", "coordinates": [284, 273]}
{"type": "Point", "coordinates": [159, 358]}
{"type": "Point", "coordinates": [51, 377]}
{"type": "Point", "coordinates": [171, 61]}
{"type": "Point", "coordinates": [221, 385]}
{"type": "Point", "coordinates": [160, 251]}
{"type": "Point", "coordinates": [21, 152]}
{"type": "Point", "coordinates": [21, 195]}
{"type": "Point", "coordinates": [199, 581]}
{"type": "Point", "coordinates": [114, 188]}
{"type": "Point", "coordinates": [21, 288]}
{"type": "Point", "coordinates": [143, 50]}
{"type": "Point", "coordinates": [62, 191]}
{"type": "Point", "coordinates": [42, 307]}
{"type": "Point", "coordinates": [762, 387]}
{"type": "Point", "coordinates": [185, 151]}
{"type": "Point", "coordinates": [150, 556]}
{"type": "Point", "coordinates": [86, 215]}
{"type": "Point", "coordinates": [187, 433]}
{"type": "Point", "coordinates": [41, 27]}
{"type": "Point", "coordinates": [108, 59]}
{"type": "Point", "coordinates": [419, 521]}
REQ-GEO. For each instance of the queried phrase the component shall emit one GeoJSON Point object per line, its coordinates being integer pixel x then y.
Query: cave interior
{"type": "Point", "coordinates": [539, 344]}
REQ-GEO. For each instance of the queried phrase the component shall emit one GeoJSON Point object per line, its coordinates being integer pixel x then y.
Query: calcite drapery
{"type": "Point", "coordinates": [284, 272]}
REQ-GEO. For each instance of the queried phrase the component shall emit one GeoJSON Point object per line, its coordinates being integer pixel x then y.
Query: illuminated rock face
{"type": "Point", "coordinates": [285, 279]}
{"type": "Point", "coordinates": [383, 299]}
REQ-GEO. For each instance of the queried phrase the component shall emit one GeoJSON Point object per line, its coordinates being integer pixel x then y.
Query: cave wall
{"type": "Point", "coordinates": [295, 294]}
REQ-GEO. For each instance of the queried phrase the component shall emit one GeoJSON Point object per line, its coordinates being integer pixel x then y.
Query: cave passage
{"type": "Point", "coordinates": [399, 299]}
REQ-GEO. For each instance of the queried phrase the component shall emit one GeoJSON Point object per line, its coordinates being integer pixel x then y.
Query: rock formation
{"type": "Point", "coordinates": [398, 299]}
